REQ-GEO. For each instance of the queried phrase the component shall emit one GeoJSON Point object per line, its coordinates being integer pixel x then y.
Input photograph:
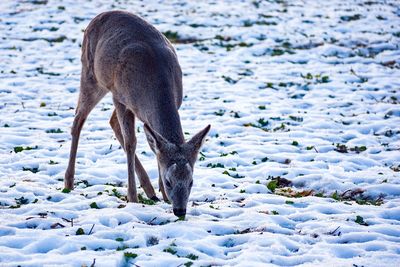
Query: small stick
{"type": "Point", "coordinates": [91, 229]}
{"type": "Point", "coordinates": [332, 232]}
{"type": "Point", "coordinates": [152, 220]}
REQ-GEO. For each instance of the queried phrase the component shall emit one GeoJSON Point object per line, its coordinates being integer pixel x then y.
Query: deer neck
{"type": "Point", "coordinates": [166, 121]}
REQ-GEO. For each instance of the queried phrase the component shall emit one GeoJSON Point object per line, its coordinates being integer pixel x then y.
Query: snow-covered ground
{"type": "Point", "coordinates": [301, 166]}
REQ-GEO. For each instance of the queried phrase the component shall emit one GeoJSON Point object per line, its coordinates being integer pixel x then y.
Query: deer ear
{"type": "Point", "coordinates": [197, 141]}
{"type": "Point", "coordinates": [155, 140]}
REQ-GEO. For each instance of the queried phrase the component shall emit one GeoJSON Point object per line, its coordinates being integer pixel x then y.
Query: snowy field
{"type": "Point", "coordinates": [301, 166]}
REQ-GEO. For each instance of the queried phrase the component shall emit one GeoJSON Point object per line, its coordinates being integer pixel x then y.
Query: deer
{"type": "Point", "coordinates": [127, 56]}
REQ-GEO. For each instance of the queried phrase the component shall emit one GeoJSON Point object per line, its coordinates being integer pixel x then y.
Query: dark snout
{"type": "Point", "coordinates": [179, 212]}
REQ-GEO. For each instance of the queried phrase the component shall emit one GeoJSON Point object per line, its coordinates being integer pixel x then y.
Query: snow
{"type": "Point", "coordinates": [302, 90]}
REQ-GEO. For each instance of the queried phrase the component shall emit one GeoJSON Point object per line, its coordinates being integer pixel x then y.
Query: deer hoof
{"type": "Point", "coordinates": [155, 198]}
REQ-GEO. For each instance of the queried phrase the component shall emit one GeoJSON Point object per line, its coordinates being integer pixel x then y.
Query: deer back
{"type": "Point", "coordinates": [131, 58]}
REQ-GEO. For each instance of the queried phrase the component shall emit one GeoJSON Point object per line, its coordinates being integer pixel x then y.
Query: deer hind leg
{"type": "Point", "coordinates": [140, 171]}
{"type": "Point", "coordinates": [89, 96]}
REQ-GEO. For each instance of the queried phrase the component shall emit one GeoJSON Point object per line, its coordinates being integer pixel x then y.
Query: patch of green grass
{"type": "Point", "coordinates": [191, 256]}
{"type": "Point", "coordinates": [348, 18]}
{"type": "Point", "coordinates": [18, 149]}
{"type": "Point", "coordinates": [278, 182]}
{"type": "Point", "coordinates": [129, 255]}
{"type": "Point", "coordinates": [274, 212]}
{"type": "Point", "coordinates": [188, 264]}
{"type": "Point", "coordinates": [335, 196]}
{"type": "Point", "coordinates": [41, 70]}
{"type": "Point", "coordinates": [246, 72]}
{"type": "Point", "coordinates": [396, 34]}
{"type": "Point", "coordinates": [123, 247]}
{"type": "Point", "coordinates": [295, 118]}
{"type": "Point", "coordinates": [230, 153]}
{"type": "Point", "coordinates": [247, 23]}
{"type": "Point", "coordinates": [66, 190]}
{"type": "Point", "coordinates": [317, 78]}
{"type": "Point", "coordinates": [229, 79]}
{"type": "Point", "coordinates": [170, 250]}
{"type": "Point", "coordinates": [308, 76]}
{"type": "Point", "coordinates": [233, 175]}
{"type": "Point", "coordinates": [202, 156]}
{"type": "Point", "coordinates": [281, 127]}
{"type": "Point", "coordinates": [355, 195]}
{"type": "Point", "coordinates": [277, 52]}
{"type": "Point", "coordinates": [116, 193]}
{"type": "Point", "coordinates": [289, 202]}
{"type": "Point", "coordinates": [171, 36]}
{"type": "Point", "coordinates": [21, 201]}
{"type": "Point", "coordinates": [93, 205]}
{"type": "Point", "coordinates": [220, 112]}
{"type": "Point", "coordinates": [262, 122]}
{"type": "Point", "coordinates": [33, 169]}
{"type": "Point", "coordinates": [145, 201]}
{"type": "Point", "coordinates": [235, 114]}
{"type": "Point", "coordinates": [80, 231]}
{"type": "Point", "coordinates": [324, 79]}
{"type": "Point", "coordinates": [52, 162]}
{"type": "Point", "coordinates": [360, 220]}
{"type": "Point", "coordinates": [217, 165]}
{"type": "Point", "coordinates": [58, 130]}
{"type": "Point", "coordinates": [59, 39]}
{"type": "Point", "coordinates": [342, 148]}
{"type": "Point", "coordinates": [272, 185]}
{"type": "Point", "coordinates": [295, 143]}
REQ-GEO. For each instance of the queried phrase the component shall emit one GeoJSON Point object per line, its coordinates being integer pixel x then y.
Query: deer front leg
{"type": "Point", "coordinates": [127, 124]}
{"type": "Point", "coordinates": [161, 185]}
{"type": "Point", "coordinates": [140, 171]}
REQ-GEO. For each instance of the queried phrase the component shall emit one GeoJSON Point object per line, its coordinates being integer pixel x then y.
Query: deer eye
{"type": "Point", "coordinates": [191, 183]}
{"type": "Point", "coordinates": [167, 183]}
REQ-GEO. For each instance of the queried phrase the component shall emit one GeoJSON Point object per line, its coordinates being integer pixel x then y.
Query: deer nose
{"type": "Point", "coordinates": [180, 212]}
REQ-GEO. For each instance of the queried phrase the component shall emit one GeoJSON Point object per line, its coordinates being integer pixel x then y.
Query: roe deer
{"type": "Point", "coordinates": [125, 55]}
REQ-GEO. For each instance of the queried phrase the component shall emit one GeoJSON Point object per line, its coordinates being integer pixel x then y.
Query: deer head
{"type": "Point", "coordinates": [175, 164]}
